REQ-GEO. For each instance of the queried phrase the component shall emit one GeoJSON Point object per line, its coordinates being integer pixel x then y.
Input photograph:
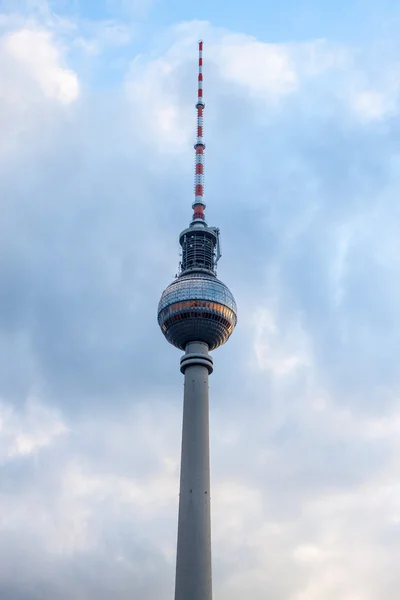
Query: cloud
{"type": "Point", "coordinates": [94, 187]}
{"type": "Point", "coordinates": [264, 69]}
{"type": "Point", "coordinates": [38, 58]}
{"type": "Point", "coordinates": [25, 434]}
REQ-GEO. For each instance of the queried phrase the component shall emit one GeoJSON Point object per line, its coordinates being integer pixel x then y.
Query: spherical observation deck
{"type": "Point", "coordinates": [197, 307]}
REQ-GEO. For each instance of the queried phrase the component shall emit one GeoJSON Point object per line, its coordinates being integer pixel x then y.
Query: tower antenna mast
{"type": "Point", "coordinates": [199, 146]}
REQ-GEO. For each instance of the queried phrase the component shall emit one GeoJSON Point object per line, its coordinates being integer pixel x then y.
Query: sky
{"type": "Point", "coordinates": [302, 125]}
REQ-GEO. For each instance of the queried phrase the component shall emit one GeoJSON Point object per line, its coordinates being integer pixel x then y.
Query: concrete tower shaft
{"type": "Point", "coordinates": [193, 560]}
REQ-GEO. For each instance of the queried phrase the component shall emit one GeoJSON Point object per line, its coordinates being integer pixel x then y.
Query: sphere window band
{"type": "Point", "coordinates": [193, 315]}
{"type": "Point", "coordinates": [179, 306]}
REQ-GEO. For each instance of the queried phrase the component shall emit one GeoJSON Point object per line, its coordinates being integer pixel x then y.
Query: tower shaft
{"type": "Point", "coordinates": [193, 563]}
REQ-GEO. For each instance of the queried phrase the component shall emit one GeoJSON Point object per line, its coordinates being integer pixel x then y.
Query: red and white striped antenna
{"type": "Point", "coordinates": [198, 204]}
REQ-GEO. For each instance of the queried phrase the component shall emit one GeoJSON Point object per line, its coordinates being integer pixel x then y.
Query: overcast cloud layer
{"type": "Point", "coordinates": [303, 178]}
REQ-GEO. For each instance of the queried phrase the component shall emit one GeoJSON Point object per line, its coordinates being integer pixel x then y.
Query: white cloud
{"type": "Point", "coordinates": [266, 70]}
{"type": "Point", "coordinates": [150, 89]}
{"type": "Point", "coordinates": [25, 432]}
{"type": "Point", "coordinates": [274, 351]}
{"type": "Point", "coordinates": [37, 58]}
{"type": "Point", "coordinates": [372, 105]}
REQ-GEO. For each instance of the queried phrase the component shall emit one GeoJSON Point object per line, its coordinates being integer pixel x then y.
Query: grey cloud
{"type": "Point", "coordinates": [93, 204]}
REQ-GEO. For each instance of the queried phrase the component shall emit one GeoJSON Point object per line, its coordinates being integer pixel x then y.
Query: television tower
{"type": "Point", "coordinates": [196, 313]}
